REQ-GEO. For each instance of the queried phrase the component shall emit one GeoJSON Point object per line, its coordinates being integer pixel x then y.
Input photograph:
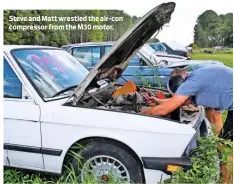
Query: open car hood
{"type": "Point", "coordinates": [117, 59]}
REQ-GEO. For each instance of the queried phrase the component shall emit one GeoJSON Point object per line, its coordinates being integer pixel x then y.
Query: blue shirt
{"type": "Point", "coordinates": [212, 86]}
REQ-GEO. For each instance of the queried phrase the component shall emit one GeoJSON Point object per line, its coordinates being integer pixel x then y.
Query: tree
{"type": "Point", "coordinates": [212, 29]}
{"type": "Point", "coordinates": [63, 37]}
{"type": "Point", "coordinates": [200, 36]}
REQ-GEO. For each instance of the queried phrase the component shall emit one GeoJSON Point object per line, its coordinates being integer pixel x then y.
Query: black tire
{"type": "Point", "coordinates": [109, 148]}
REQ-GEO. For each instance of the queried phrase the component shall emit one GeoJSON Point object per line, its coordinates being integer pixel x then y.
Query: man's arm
{"type": "Point", "coordinates": [167, 107]}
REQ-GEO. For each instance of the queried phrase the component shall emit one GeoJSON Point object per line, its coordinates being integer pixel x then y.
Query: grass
{"type": "Point", "coordinates": [224, 56]}
{"type": "Point", "coordinates": [69, 176]}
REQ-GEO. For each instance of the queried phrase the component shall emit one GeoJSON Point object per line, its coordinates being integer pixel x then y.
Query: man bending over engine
{"type": "Point", "coordinates": [210, 86]}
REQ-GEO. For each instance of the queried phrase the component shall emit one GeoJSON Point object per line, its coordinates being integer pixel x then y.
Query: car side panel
{"type": "Point", "coordinates": [64, 126]}
{"type": "Point", "coordinates": [22, 128]}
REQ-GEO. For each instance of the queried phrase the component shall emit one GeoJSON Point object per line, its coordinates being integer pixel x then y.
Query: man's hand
{"type": "Point", "coordinates": [167, 107]}
{"type": "Point", "coordinates": [153, 100]}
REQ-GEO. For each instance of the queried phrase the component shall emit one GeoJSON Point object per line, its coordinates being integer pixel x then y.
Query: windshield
{"type": "Point", "coordinates": [50, 70]}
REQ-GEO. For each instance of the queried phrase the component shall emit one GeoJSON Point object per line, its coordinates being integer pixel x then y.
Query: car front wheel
{"type": "Point", "coordinates": [108, 162]}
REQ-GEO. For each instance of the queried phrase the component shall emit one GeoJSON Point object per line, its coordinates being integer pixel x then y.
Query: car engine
{"type": "Point", "coordinates": [132, 101]}
{"type": "Point", "coordinates": [128, 102]}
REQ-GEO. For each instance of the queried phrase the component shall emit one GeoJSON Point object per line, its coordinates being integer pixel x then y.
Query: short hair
{"type": "Point", "coordinates": [177, 71]}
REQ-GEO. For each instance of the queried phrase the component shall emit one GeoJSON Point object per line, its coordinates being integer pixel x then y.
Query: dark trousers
{"type": "Point", "coordinates": [227, 130]}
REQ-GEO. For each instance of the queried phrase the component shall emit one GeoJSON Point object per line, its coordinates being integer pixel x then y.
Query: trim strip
{"type": "Point", "coordinates": [158, 163]}
{"type": "Point", "coordinates": [31, 149]}
{"type": "Point", "coordinates": [34, 121]}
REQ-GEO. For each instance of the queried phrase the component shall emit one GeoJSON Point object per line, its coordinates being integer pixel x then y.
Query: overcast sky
{"type": "Point", "coordinates": [181, 25]}
{"type": "Point", "coordinates": [184, 17]}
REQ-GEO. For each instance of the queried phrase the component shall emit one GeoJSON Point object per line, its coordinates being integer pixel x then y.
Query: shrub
{"type": "Point", "coordinates": [205, 162]}
{"type": "Point", "coordinates": [194, 46]}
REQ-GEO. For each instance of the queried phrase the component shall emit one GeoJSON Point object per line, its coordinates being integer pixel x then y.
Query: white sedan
{"type": "Point", "coordinates": [51, 103]}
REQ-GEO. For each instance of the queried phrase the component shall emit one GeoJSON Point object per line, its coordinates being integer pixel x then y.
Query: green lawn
{"type": "Point", "coordinates": [224, 56]}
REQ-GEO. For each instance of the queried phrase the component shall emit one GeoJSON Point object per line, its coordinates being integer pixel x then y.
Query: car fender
{"type": "Point", "coordinates": [146, 136]}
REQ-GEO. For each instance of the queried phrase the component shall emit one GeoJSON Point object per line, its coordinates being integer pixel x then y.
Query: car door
{"type": "Point", "coordinates": [22, 136]}
{"type": "Point", "coordinates": [87, 55]}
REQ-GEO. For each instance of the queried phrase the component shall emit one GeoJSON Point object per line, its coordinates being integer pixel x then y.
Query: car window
{"type": "Point", "coordinates": [66, 47]}
{"type": "Point", "coordinates": [12, 84]}
{"type": "Point", "coordinates": [96, 53]}
{"type": "Point", "coordinates": [50, 70]}
{"type": "Point", "coordinates": [135, 61]}
{"type": "Point", "coordinates": [89, 56]}
{"type": "Point", "coordinates": [70, 51]}
{"type": "Point", "coordinates": [107, 48]}
{"type": "Point", "coordinates": [158, 47]}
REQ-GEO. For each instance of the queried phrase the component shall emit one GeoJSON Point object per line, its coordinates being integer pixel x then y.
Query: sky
{"type": "Point", "coordinates": [184, 17]}
{"type": "Point", "coordinates": [180, 28]}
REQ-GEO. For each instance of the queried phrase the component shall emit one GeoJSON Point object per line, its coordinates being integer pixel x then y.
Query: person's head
{"type": "Point", "coordinates": [177, 77]}
{"type": "Point", "coordinates": [179, 71]}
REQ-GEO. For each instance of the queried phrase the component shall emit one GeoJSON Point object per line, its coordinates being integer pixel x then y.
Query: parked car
{"type": "Point", "coordinates": [145, 68]}
{"type": "Point", "coordinates": [189, 49]}
{"type": "Point", "coordinates": [170, 48]}
{"type": "Point", "coordinates": [220, 48]}
{"type": "Point", "coordinates": [90, 53]}
{"type": "Point", "coordinates": [208, 51]}
{"type": "Point", "coordinates": [52, 102]}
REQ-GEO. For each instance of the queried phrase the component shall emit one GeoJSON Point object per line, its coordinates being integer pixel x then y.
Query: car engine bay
{"type": "Point", "coordinates": [129, 98]}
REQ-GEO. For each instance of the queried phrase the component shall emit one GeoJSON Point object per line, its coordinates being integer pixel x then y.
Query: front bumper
{"type": "Point", "coordinates": [161, 164]}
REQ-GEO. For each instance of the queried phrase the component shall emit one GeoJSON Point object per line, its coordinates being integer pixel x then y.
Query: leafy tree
{"type": "Point", "coordinates": [212, 29]}
{"type": "Point", "coordinates": [63, 37]}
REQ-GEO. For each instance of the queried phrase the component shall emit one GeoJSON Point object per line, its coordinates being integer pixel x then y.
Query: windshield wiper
{"type": "Point", "coordinates": [64, 90]}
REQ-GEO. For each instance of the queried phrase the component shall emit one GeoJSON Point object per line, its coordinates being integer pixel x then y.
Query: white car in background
{"type": "Point", "coordinates": [52, 102]}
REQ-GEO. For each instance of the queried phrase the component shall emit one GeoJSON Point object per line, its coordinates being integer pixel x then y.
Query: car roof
{"type": "Point", "coordinates": [8, 48]}
{"type": "Point", "coordinates": [90, 44]}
